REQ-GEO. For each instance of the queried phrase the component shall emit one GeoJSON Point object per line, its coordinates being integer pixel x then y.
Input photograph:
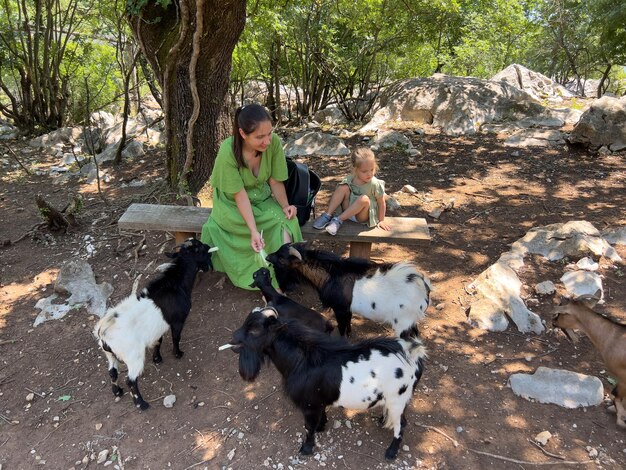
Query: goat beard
{"type": "Point", "coordinates": [249, 364]}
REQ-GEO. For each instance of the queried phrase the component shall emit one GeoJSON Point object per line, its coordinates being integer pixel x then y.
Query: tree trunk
{"type": "Point", "coordinates": [189, 45]}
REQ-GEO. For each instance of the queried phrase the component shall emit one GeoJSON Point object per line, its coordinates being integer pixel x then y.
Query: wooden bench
{"type": "Point", "coordinates": [187, 221]}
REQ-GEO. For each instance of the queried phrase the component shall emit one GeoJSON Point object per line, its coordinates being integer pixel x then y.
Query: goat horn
{"type": "Point", "coordinates": [294, 252]}
{"type": "Point", "coordinates": [225, 346]}
{"type": "Point", "coordinates": [214, 249]}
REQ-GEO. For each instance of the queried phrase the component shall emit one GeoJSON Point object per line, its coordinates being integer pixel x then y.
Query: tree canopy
{"type": "Point", "coordinates": [59, 55]}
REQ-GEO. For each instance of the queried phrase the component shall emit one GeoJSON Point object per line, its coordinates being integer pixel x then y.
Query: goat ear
{"type": "Point", "coordinates": [294, 252]}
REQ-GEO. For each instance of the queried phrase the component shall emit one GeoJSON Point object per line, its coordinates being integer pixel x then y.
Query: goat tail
{"type": "Point", "coordinates": [103, 325]}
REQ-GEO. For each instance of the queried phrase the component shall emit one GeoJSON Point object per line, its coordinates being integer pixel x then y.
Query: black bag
{"type": "Point", "coordinates": [302, 186]}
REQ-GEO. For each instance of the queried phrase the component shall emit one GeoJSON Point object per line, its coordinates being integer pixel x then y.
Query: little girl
{"type": "Point", "coordinates": [360, 195]}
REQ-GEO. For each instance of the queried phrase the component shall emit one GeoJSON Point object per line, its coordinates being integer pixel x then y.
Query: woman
{"type": "Point", "coordinates": [250, 209]}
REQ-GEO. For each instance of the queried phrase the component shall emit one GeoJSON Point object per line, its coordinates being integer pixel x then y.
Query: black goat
{"type": "Point", "coordinates": [319, 370]}
{"type": "Point", "coordinates": [138, 322]}
{"type": "Point", "coordinates": [286, 307]}
{"type": "Point", "coordinates": [393, 293]}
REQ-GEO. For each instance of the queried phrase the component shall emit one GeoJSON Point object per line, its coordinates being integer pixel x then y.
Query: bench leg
{"type": "Point", "coordinates": [180, 237]}
{"type": "Point", "coordinates": [360, 249]}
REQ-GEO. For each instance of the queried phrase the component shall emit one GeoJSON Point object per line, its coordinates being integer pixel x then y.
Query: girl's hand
{"type": "Point", "coordinates": [290, 211]}
{"type": "Point", "coordinates": [384, 225]}
{"type": "Point", "coordinates": [256, 241]}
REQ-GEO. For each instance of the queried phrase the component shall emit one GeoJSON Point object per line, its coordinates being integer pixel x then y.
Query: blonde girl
{"type": "Point", "coordinates": [361, 196]}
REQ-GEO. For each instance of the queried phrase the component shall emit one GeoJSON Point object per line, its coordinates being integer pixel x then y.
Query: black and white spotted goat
{"type": "Point", "coordinates": [139, 322]}
{"type": "Point", "coordinates": [286, 307]}
{"type": "Point", "coordinates": [319, 370]}
{"type": "Point", "coordinates": [393, 293]}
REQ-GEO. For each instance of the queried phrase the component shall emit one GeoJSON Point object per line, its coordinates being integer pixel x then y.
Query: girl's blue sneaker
{"type": "Point", "coordinates": [322, 221]}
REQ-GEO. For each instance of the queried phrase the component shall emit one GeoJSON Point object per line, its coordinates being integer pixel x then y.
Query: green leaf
{"type": "Point", "coordinates": [65, 398]}
{"type": "Point", "coordinates": [611, 380]}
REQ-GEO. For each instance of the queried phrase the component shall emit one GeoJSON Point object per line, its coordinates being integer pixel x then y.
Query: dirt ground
{"type": "Point", "coordinates": [462, 414]}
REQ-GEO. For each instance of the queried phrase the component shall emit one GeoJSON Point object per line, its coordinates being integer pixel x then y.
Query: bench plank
{"type": "Point", "coordinates": [186, 221]}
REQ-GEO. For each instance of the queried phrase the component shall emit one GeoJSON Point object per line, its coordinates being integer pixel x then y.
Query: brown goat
{"type": "Point", "coordinates": [609, 338]}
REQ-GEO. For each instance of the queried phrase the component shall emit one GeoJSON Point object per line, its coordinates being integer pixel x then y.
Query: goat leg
{"type": "Point", "coordinates": [312, 420]}
{"type": "Point", "coordinates": [344, 317]}
{"type": "Point", "coordinates": [177, 329]}
{"type": "Point", "coordinates": [113, 366]}
{"type": "Point", "coordinates": [137, 398]}
{"type": "Point", "coordinates": [321, 426]}
{"type": "Point", "coordinates": [115, 388]}
{"type": "Point", "coordinates": [392, 451]}
{"type": "Point", "coordinates": [156, 354]}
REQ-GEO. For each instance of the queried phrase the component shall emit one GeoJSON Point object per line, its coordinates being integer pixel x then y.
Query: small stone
{"type": "Point", "coordinates": [459, 429]}
{"type": "Point", "coordinates": [348, 424]}
{"type": "Point", "coordinates": [440, 306]}
{"type": "Point", "coordinates": [102, 456]}
{"type": "Point", "coordinates": [168, 401]}
{"type": "Point", "coordinates": [336, 424]}
{"type": "Point", "coordinates": [545, 288]}
{"type": "Point", "coordinates": [98, 426]}
{"type": "Point", "coordinates": [543, 437]}
{"type": "Point", "coordinates": [231, 454]}
{"type": "Point", "coordinates": [85, 460]}
{"type": "Point", "coordinates": [407, 188]}
{"type": "Point", "coordinates": [406, 448]}
{"type": "Point", "coordinates": [30, 397]}
{"type": "Point", "coordinates": [359, 443]}
{"type": "Point", "coordinates": [593, 453]}
{"type": "Point", "coordinates": [436, 213]}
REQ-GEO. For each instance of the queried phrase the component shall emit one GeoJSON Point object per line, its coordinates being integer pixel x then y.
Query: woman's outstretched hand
{"type": "Point", "coordinates": [290, 211]}
{"type": "Point", "coordinates": [256, 241]}
{"type": "Point", "coordinates": [384, 225]}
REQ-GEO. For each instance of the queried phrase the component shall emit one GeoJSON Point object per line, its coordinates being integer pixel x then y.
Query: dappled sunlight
{"type": "Point", "coordinates": [208, 444]}
{"type": "Point", "coordinates": [516, 421]}
{"type": "Point", "coordinates": [15, 293]}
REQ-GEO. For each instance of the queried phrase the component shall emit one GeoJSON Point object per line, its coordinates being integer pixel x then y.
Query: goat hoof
{"type": "Point", "coordinates": [117, 391]}
{"type": "Point", "coordinates": [157, 359]}
{"type": "Point", "coordinates": [391, 454]}
{"type": "Point", "coordinates": [179, 354]}
{"type": "Point", "coordinates": [143, 405]}
{"type": "Point", "coordinates": [306, 449]}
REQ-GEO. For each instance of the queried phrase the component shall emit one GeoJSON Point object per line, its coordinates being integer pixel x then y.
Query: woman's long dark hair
{"type": "Point", "coordinates": [247, 118]}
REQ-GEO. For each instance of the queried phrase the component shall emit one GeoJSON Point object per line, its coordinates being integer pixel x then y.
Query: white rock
{"type": "Point", "coordinates": [543, 437]}
{"type": "Point", "coordinates": [407, 188]}
{"type": "Point", "coordinates": [583, 284]}
{"type": "Point", "coordinates": [459, 429]}
{"type": "Point", "coordinates": [169, 401]}
{"type": "Point", "coordinates": [406, 448]}
{"type": "Point", "coordinates": [545, 288]}
{"type": "Point", "coordinates": [561, 387]}
{"type": "Point", "coordinates": [102, 456]}
{"type": "Point", "coordinates": [348, 424]}
{"type": "Point", "coordinates": [587, 264]}
{"type": "Point", "coordinates": [336, 424]}
{"type": "Point", "coordinates": [30, 397]}
{"type": "Point", "coordinates": [231, 454]}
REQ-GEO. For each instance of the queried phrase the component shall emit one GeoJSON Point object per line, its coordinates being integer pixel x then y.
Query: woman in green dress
{"type": "Point", "coordinates": [250, 209]}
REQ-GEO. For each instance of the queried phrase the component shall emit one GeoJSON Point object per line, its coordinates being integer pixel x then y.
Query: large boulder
{"type": "Point", "coordinates": [316, 143]}
{"type": "Point", "coordinates": [535, 84]}
{"type": "Point", "coordinates": [604, 123]}
{"type": "Point", "coordinates": [458, 105]}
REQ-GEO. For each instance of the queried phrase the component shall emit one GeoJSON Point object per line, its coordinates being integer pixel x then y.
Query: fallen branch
{"type": "Point", "coordinates": [550, 454]}
{"type": "Point", "coordinates": [437, 430]}
{"type": "Point", "coordinates": [17, 159]}
{"type": "Point", "coordinates": [526, 462]}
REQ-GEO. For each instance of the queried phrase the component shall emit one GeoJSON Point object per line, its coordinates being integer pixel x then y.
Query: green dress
{"type": "Point", "coordinates": [226, 228]}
